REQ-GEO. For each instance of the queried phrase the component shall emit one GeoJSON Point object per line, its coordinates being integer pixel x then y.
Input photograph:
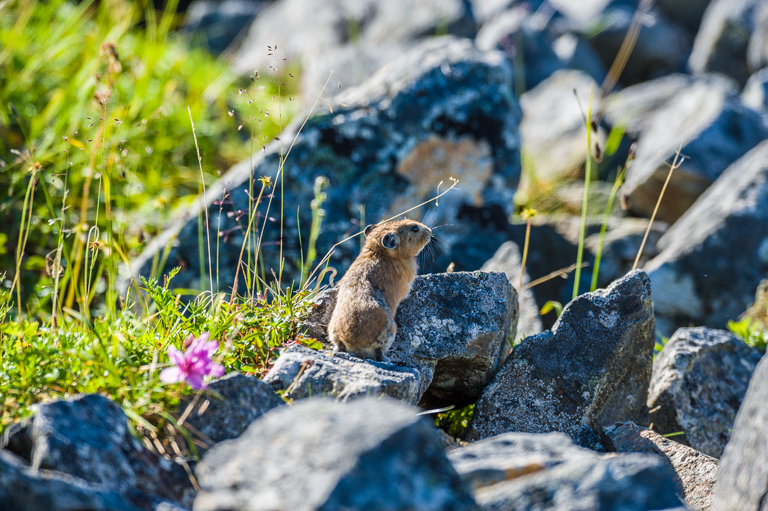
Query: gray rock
{"type": "Point", "coordinates": [218, 23]}
{"type": "Point", "coordinates": [87, 437]}
{"type": "Point", "coordinates": [453, 329]}
{"type": "Point", "coordinates": [721, 43]}
{"type": "Point", "coordinates": [442, 110]}
{"type": "Point", "coordinates": [757, 50]}
{"type": "Point", "coordinates": [695, 473]}
{"type": "Point", "coordinates": [306, 373]}
{"type": "Point", "coordinates": [716, 128]}
{"type": "Point", "coordinates": [592, 369]}
{"type": "Point", "coordinates": [235, 401]}
{"type": "Point", "coordinates": [742, 482]}
{"type": "Point", "coordinates": [508, 261]}
{"type": "Point", "coordinates": [755, 93]}
{"type": "Point", "coordinates": [698, 382]}
{"type": "Point", "coordinates": [371, 454]}
{"type": "Point", "coordinates": [523, 471]}
{"type": "Point", "coordinates": [712, 260]}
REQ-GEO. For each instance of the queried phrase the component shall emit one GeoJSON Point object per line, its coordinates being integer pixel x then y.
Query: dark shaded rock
{"type": "Point", "coordinates": [218, 23]}
{"type": "Point", "coordinates": [698, 382]}
{"type": "Point", "coordinates": [757, 51]}
{"type": "Point", "coordinates": [442, 110]}
{"type": "Point", "coordinates": [592, 369]}
{"type": "Point", "coordinates": [523, 471]}
{"type": "Point", "coordinates": [371, 454]}
{"type": "Point", "coordinates": [343, 376]}
{"type": "Point", "coordinates": [742, 482]}
{"type": "Point", "coordinates": [453, 329]}
{"type": "Point", "coordinates": [507, 260]}
{"type": "Point", "coordinates": [721, 43]}
{"type": "Point", "coordinates": [695, 473]}
{"type": "Point", "coordinates": [687, 13]}
{"type": "Point", "coordinates": [236, 401]}
{"type": "Point", "coordinates": [87, 437]}
{"type": "Point", "coordinates": [714, 257]}
{"type": "Point", "coordinates": [755, 93]}
{"type": "Point", "coordinates": [716, 128]}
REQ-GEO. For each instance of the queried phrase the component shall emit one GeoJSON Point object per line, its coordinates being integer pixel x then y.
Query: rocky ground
{"type": "Point", "coordinates": [580, 415]}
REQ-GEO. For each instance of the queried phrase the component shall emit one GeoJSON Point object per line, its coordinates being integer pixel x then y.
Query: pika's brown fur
{"type": "Point", "coordinates": [363, 322]}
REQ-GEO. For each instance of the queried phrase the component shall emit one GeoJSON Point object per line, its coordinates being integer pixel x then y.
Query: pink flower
{"type": "Point", "coordinates": [193, 365]}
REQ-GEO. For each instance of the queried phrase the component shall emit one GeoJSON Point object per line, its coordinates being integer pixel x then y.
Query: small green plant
{"type": "Point", "coordinates": [454, 422]}
{"type": "Point", "coordinates": [750, 331]}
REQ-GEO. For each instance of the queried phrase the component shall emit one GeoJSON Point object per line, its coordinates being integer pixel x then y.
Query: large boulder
{"type": "Point", "coordinates": [453, 330]}
{"type": "Point", "coordinates": [591, 369]}
{"type": "Point", "coordinates": [712, 260]}
{"type": "Point", "coordinates": [695, 473]}
{"type": "Point", "coordinates": [698, 382]}
{"type": "Point", "coordinates": [87, 437]}
{"type": "Point", "coordinates": [742, 482]}
{"type": "Point", "coordinates": [443, 110]}
{"type": "Point", "coordinates": [372, 454]}
{"type": "Point", "coordinates": [715, 129]}
{"type": "Point", "coordinates": [517, 471]}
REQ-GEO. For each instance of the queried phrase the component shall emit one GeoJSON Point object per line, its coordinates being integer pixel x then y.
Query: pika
{"type": "Point", "coordinates": [363, 322]}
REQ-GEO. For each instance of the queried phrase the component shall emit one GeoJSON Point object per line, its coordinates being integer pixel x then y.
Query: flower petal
{"type": "Point", "coordinates": [216, 370]}
{"type": "Point", "coordinates": [210, 347]}
{"type": "Point", "coordinates": [171, 375]}
{"type": "Point", "coordinates": [205, 336]}
{"type": "Point", "coordinates": [195, 381]}
{"type": "Point", "coordinates": [176, 356]}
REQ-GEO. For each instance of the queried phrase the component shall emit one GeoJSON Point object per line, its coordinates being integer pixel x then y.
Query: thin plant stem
{"type": "Point", "coordinates": [205, 201]}
{"type": "Point", "coordinates": [604, 227]}
{"type": "Point", "coordinates": [585, 203]}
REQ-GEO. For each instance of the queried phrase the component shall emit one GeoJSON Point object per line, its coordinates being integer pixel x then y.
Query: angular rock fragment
{"type": "Point", "coordinates": [714, 257]}
{"type": "Point", "coordinates": [372, 454]}
{"type": "Point", "coordinates": [742, 482]}
{"type": "Point", "coordinates": [304, 372]}
{"type": "Point", "coordinates": [547, 471]}
{"type": "Point", "coordinates": [87, 437]}
{"type": "Point", "coordinates": [695, 473]}
{"type": "Point", "coordinates": [591, 369]}
{"type": "Point", "coordinates": [698, 382]}
{"type": "Point", "coordinates": [713, 127]}
{"type": "Point", "coordinates": [755, 93]}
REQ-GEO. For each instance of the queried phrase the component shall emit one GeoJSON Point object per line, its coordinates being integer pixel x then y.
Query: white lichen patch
{"type": "Point", "coordinates": [609, 319]}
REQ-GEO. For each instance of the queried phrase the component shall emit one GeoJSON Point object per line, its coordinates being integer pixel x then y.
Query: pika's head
{"type": "Point", "coordinates": [397, 239]}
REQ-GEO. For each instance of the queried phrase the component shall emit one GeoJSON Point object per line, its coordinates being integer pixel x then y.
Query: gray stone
{"type": "Point", "coordinates": [742, 483]}
{"type": "Point", "coordinates": [695, 473]}
{"type": "Point", "coordinates": [698, 382]}
{"type": "Point", "coordinates": [305, 373]}
{"type": "Point", "coordinates": [88, 437]}
{"type": "Point", "coordinates": [755, 93]}
{"type": "Point", "coordinates": [592, 369]}
{"type": "Point", "coordinates": [523, 471]}
{"type": "Point", "coordinates": [722, 42]}
{"type": "Point", "coordinates": [712, 260]}
{"type": "Point", "coordinates": [235, 401]}
{"type": "Point", "coordinates": [218, 23]}
{"type": "Point", "coordinates": [372, 454]}
{"type": "Point", "coordinates": [453, 329]}
{"type": "Point", "coordinates": [443, 110]}
{"type": "Point", "coordinates": [508, 261]}
{"type": "Point", "coordinates": [715, 129]}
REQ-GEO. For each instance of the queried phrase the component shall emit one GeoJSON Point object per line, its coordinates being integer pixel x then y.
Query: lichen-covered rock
{"type": "Point", "coordinates": [453, 329]}
{"type": "Point", "coordinates": [742, 482]}
{"type": "Point", "coordinates": [591, 369]}
{"type": "Point", "coordinates": [698, 382]}
{"type": "Point", "coordinates": [714, 257]}
{"type": "Point", "coordinates": [524, 471]}
{"type": "Point", "coordinates": [372, 454]}
{"type": "Point", "coordinates": [695, 473]}
{"type": "Point", "coordinates": [235, 401]}
{"type": "Point", "coordinates": [305, 373]}
{"type": "Point", "coordinates": [442, 110]}
{"type": "Point", "coordinates": [87, 437]}
{"type": "Point", "coordinates": [715, 129]}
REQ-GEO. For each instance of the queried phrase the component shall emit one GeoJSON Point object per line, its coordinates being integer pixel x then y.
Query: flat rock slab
{"type": "Point", "coordinates": [453, 328]}
{"type": "Point", "coordinates": [87, 437]}
{"type": "Point", "coordinates": [525, 471]}
{"type": "Point", "coordinates": [742, 483]}
{"type": "Point", "coordinates": [234, 402]}
{"type": "Point", "coordinates": [591, 369]}
{"type": "Point", "coordinates": [372, 454]}
{"type": "Point", "coordinates": [712, 259]}
{"type": "Point", "coordinates": [304, 372]}
{"type": "Point", "coordinates": [695, 473]}
{"type": "Point", "coordinates": [699, 380]}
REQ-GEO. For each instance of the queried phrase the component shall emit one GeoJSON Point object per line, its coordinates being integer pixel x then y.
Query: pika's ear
{"type": "Point", "coordinates": [368, 229]}
{"type": "Point", "coordinates": [390, 240]}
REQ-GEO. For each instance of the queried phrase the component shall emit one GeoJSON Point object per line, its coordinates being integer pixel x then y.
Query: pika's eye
{"type": "Point", "coordinates": [415, 228]}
